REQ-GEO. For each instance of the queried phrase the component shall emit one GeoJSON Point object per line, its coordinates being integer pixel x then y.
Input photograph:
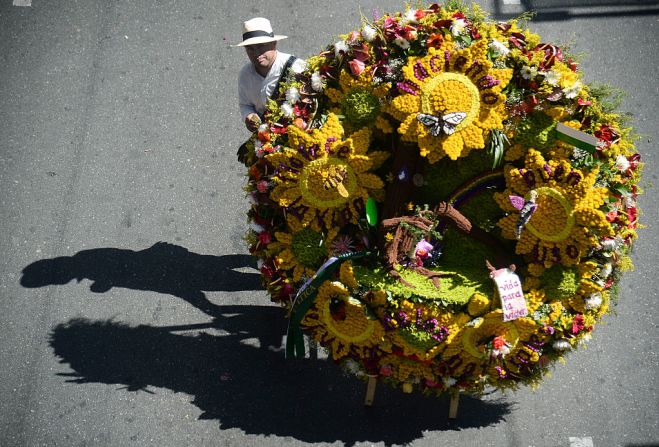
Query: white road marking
{"type": "Point", "coordinates": [22, 2]}
{"type": "Point", "coordinates": [512, 2]}
{"type": "Point", "coordinates": [586, 441]}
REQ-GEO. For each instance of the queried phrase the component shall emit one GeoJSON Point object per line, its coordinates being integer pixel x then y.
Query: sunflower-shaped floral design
{"type": "Point", "coordinates": [450, 100]}
{"type": "Point", "coordinates": [322, 179]}
{"type": "Point", "coordinates": [567, 222]}
{"type": "Point", "coordinates": [490, 337]}
{"type": "Point", "coordinates": [301, 250]}
{"type": "Point", "coordinates": [341, 322]}
{"type": "Point", "coordinates": [360, 101]}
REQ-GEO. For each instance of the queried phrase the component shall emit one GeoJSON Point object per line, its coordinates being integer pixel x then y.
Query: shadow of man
{"type": "Point", "coordinates": [163, 268]}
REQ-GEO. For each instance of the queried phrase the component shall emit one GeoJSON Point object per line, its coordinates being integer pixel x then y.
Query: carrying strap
{"type": "Point", "coordinates": [282, 75]}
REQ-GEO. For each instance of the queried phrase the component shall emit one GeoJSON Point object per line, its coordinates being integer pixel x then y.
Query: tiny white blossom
{"type": "Point", "coordinates": [622, 163]}
{"type": "Point", "coordinates": [607, 269]}
{"type": "Point", "coordinates": [292, 95]}
{"type": "Point", "coordinates": [340, 46]}
{"type": "Point", "coordinates": [316, 81]}
{"type": "Point", "coordinates": [561, 345]}
{"type": "Point", "coordinates": [458, 27]}
{"type": "Point", "coordinates": [256, 227]}
{"type": "Point", "coordinates": [450, 381]}
{"type": "Point", "coordinates": [499, 47]}
{"type": "Point", "coordinates": [299, 66]}
{"type": "Point", "coordinates": [573, 91]}
{"type": "Point", "coordinates": [409, 17]}
{"type": "Point", "coordinates": [552, 77]}
{"type": "Point", "coordinates": [368, 33]}
{"type": "Point", "coordinates": [628, 200]}
{"type": "Point", "coordinates": [529, 72]}
{"type": "Point", "coordinates": [404, 44]}
{"type": "Point", "coordinates": [263, 127]}
{"type": "Point", "coordinates": [287, 109]}
{"type": "Point", "coordinates": [594, 301]}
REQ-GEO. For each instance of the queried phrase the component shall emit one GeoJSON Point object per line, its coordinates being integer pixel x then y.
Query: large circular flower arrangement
{"type": "Point", "coordinates": [443, 149]}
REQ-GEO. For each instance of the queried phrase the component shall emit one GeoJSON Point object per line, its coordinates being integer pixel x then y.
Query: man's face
{"type": "Point", "coordinates": [262, 55]}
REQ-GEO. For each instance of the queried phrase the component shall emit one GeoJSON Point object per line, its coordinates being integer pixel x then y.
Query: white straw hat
{"type": "Point", "coordinates": [258, 30]}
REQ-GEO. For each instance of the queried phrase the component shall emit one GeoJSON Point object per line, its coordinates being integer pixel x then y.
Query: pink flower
{"type": "Point", "coordinates": [578, 324]}
{"type": "Point", "coordinates": [262, 186]}
{"type": "Point", "coordinates": [356, 67]}
{"type": "Point", "coordinates": [499, 342]}
{"type": "Point", "coordinates": [423, 249]}
{"type": "Point", "coordinates": [385, 370]}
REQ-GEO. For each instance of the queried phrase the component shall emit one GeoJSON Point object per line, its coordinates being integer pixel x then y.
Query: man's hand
{"type": "Point", "coordinates": [252, 122]}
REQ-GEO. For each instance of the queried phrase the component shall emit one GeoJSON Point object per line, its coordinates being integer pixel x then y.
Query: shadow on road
{"type": "Point", "coordinates": [561, 10]}
{"type": "Point", "coordinates": [254, 388]}
{"type": "Point", "coordinates": [163, 268]}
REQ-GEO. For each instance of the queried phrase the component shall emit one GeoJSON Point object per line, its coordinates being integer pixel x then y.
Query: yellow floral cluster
{"type": "Point", "coordinates": [340, 321]}
{"type": "Point", "coordinates": [461, 92]}
{"type": "Point", "coordinates": [322, 180]}
{"type": "Point", "coordinates": [567, 221]}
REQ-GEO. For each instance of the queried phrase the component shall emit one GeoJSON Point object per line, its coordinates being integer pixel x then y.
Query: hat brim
{"type": "Point", "coordinates": [260, 39]}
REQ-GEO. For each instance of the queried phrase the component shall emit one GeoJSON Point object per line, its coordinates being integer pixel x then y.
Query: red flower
{"type": "Point", "coordinates": [434, 40]}
{"type": "Point", "coordinates": [611, 216]}
{"type": "Point", "coordinates": [267, 271]}
{"type": "Point", "coordinates": [265, 237]}
{"type": "Point", "coordinates": [578, 324]}
{"type": "Point", "coordinates": [498, 342]}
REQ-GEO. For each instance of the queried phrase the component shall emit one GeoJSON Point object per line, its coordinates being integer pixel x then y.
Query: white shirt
{"type": "Point", "coordinates": [254, 90]}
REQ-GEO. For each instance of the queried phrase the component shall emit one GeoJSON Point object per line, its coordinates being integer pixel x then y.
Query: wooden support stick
{"type": "Point", "coordinates": [313, 349]}
{"type": "Point", "coordinates": [453, 405]}
{"type": "Point", "coordinates": [370, 390]}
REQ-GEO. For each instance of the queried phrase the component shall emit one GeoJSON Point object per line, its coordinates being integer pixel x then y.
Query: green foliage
{"type": "Point", "coordinates": [560, 282]}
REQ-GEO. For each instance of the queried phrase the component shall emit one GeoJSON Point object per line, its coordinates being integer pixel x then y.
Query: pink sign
{"type": "Point", "coordinates": [510, 291]}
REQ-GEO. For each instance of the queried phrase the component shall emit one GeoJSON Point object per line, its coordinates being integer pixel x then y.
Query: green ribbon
{"type": "Point", "coordinates": [576, 138]}
{"type": "Point", "coordinates": [306, 297]}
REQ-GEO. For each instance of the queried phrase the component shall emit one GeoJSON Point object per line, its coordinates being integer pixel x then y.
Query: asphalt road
{"type": "Point", "coordinates": [129, 311]}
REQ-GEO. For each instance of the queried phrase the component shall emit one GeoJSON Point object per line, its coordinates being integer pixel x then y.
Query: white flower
{"type": "Point", "coordinates": [368, 33]}
{"type": "Point", "coordinates": [287, 109]}
{"type": "Point", "coordinates": [340, 46]}
{"type": "Point", "coordinates": [299, 66]}
{"type": "Point", "coordinates": [458, 27]}
{"type": "Point", "coordinates": [316, 81]}
{"type": "Point", "coordinates": [292, 95]}
{"type": "Point", "coordinates": [404, 44]}
{"type": "Point", "coordinates": [263, 127]}
{"type": "Point", "coordinates": [594, 301]}
{"type": "Point", "coordinates": [256, 227]}
{"type": "Point", "coordinates": [622, 163]}
{"type": "Point", "coordinates": [552, 77]}
{"type": "Point", "coordinates": [450, 381]}
{"type": "Point", "coordinates": [628, 200]}
{"type": "Point", "coordinates": [573, 91]}
{"type": "Point", "coordinates": [606, 270]}
{"type": "Point", "coordinates": [409, 17]}
{"type": "Point", "coordinates": [528, 72]}
{"type": "Point", "coordinates": [351, 366]}
{"type": "Point", "coordinates": [561, 345]}
{"type": "Point", "coordinates": [499, 47]}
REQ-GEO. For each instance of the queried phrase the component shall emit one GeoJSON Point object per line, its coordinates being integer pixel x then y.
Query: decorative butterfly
{"type": "Point", "coordinates": [445, 124]}
{"type": "Point", "coordinates": [526, 209]}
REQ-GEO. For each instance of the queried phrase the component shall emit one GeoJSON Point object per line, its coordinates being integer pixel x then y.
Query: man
{"type": "Point", "coordinates": [259, 78]}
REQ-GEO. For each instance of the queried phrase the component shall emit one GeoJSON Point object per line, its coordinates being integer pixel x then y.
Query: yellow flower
{"type": "Point", "coordinates": [360, 100]}
{"type": "Point", "coordinates": [567, 221]}
{"type": "Point", "coordinates": [301, 250]}
{"type": "Point", "coordinates": [461, 87]}
{"type": "Point", "coordinates": [340, 322]}
{"type": "Point", "coordinates": [323, 179]}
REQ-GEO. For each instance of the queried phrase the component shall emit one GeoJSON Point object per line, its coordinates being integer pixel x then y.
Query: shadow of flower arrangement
{"type": "Point", "coordinates": [254, 388]}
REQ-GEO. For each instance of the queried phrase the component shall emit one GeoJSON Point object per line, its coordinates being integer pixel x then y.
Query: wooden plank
{"type": "Point", "coordinates": [453, 405]}
{"type": "Point", "coordinates": [370, 390]}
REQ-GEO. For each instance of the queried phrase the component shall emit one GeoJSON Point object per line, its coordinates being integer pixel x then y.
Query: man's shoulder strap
{"type": "Point", "coordinates": [282, 75]}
